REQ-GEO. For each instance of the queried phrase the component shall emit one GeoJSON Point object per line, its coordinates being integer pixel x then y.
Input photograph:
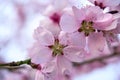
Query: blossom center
{"type": "Point", "coordinates": [57, 48]}
{"type": "Point", "coordinates": [86, 27]}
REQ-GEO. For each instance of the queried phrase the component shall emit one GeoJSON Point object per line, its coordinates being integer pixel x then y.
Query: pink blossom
{"type": "Point", "coordinates": [56, 70]}
{"type": "Point", "coordinates": [48, 47]}
{"type": "Point", "coordinates": [88, 21]}
{"type": "Point", "coordinates": [97, 19]}
{"type": "Point", "coordinates": [53, 14]}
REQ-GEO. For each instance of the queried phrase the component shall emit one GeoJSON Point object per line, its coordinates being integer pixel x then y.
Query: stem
{"type": "Point", "coordinates": [15, 65]}
{"type": "Point", "coordinates": [96, 59]}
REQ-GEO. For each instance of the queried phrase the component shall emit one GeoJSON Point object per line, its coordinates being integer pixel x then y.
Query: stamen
{"type": "Point", "coordinates": [57, 48]}
{"type": "Point", "coordinates": [86, 27]}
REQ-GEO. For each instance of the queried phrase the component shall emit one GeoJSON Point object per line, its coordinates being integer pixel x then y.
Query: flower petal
{"type": "Point", "coordinates": [103, 22]}
{"type": "Point", "coordinates": [40, 54]}
{"type": "Point", "coordinates": [68, 23]}
{"type": "Point", "coordinates": [64, 67]}
{"type": "Point", "coordinates": [43, 36]}
{"type": "Point", "coordinates": [74, 54]}
{"type": "Point", "coordinates": [112, 26]}
{"type": "Point", "coordinates": [62, 61]}
{"type": "Point", "coordinates": [79, 13]}
{"type": "Point", "coordinates": [50, 26]}
{"type": "Point", "coordinates": [49, 67]}
{"type": "Point", "coordinates": [64, 38]}
{"type": "Point", "coordinates": [39, 75]}
{"type": "Point", "coordinates": [78, 39]}
{"type": "Point", "coordinates": [96, 43]}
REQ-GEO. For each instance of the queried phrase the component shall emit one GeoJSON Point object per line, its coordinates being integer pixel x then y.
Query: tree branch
{"type": "Point", "coordinates": [96, 59]}
{"type": "Point", "coordinates": [16, 65]}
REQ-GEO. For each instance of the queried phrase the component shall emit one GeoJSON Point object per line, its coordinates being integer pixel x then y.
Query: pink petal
{"type": "Point", "coordinates": [39, 76]}
{"type": "Point", "coordinates": [116, 16]}
{"type": "Point", "coordinates": [74, 54]}
{"type": "Point", "coordinates": [44, 37]}
{"type": "Point", "coordinates": [112, 26]}
{"type": "Point", "coordinates": [79, 14]}
{"type": "Point", "coordinates": [40, 54]}
{"type": "Point", "coordinates": [50, 76]}
{"type": "Point", "coordinates": [49, 70]}
{"type": "Point", "coordinates": [64, 38]}
{"type": "Point", "coordinates": [96, 43]}
{"type": "Point", "coordinates": [50, 26]}
{"type": "Point", "coordinates": [63, 63]}
{"type": "Point", "coordinates": [68, 23]}
{"type": "Point", "coordinates": [49, 67]}
{"type": "Point", "coordinates": [64, 67]}
{"type": "Point", "coordinates": [103, 22]}
{"type": "Point", "coordinates": [78, 39]}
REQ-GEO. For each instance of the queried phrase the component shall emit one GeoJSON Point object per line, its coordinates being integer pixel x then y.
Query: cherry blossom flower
{"type": "Point", "coordinates": [56, 71]}
{"type": "Point", "coordinates": [89, 21]}
{"type": "Point", "coordinates": [52, 15]}
{"type": "Point", "coordinates": [48, 47]}
{"type": "Point", "coordinates": [69, 41]}
{"type": "Point", "coordinates": [55, 55]}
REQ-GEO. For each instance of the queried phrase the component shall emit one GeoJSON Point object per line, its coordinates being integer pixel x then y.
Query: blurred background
{"type": "Point", "coordinates": [18, 19]}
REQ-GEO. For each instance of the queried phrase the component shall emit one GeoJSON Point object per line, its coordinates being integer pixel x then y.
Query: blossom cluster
{"type": "Point", "coordinates": [69, 34]}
